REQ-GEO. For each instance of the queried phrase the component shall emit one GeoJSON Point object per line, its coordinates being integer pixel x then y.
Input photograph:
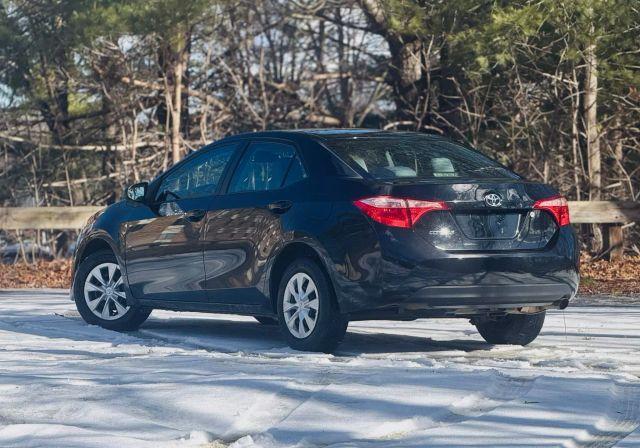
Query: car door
{"type": "Point", "coordinates": [245, 224]}
{"type": "Point", "coordinates": [164, 251]}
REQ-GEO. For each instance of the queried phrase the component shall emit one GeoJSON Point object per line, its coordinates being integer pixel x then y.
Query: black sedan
{"type": "Point", "coordinates": [312, 229]}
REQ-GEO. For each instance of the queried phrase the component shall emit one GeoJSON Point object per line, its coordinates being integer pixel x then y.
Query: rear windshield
{"type": "Point", "coordinates": [415, 156]}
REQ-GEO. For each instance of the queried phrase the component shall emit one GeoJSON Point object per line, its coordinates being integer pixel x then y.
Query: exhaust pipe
{"type": "Point", "coordinates": [559, 304]}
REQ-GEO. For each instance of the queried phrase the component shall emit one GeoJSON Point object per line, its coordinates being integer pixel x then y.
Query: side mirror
{"type": "Point", "coordinates": [137, 192]}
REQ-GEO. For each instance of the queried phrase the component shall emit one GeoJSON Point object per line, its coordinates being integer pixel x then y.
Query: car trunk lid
{"type": "Point", "coordinates": [482, 215]}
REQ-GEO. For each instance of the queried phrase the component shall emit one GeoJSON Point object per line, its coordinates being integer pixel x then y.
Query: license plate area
{"type": "Point", "coordinates": [489, 226]}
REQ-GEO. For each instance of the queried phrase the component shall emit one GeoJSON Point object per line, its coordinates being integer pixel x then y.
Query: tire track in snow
{"type": "Point", "coordinates": [622, 417]}
{"type": "Point", "coordinates": [289, 399]}
{"type": "Point", "coordinates": [156, 338]}
{"type": "Point", "coordinates": [280, 405]}
{"type": "Point", "coordinates": [503, 389]}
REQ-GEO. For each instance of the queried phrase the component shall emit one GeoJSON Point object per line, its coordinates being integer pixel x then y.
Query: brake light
{"type": "Point", "coordinates": [557, 206]}
{"type": "Point", "coordinates": [397, 212]}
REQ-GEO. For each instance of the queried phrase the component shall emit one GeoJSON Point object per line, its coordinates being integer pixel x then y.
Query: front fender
{"type": "Point", "coordinates": [105, 229]}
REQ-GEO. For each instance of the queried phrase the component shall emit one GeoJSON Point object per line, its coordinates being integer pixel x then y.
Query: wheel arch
{"type": "Point", "coordinates": [88, 246]}
{"type": "Point", "coordinates": [289, 253]}
{"type": "Point", "coordinates": [92, 246]}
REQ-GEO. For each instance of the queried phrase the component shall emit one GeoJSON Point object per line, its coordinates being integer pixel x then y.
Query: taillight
{"type": "Point", "coordinates": [397, 212]}
{"type": "Point", "coordinates": [557, 206]}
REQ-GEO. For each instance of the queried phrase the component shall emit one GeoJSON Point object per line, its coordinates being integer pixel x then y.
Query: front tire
{"type": "Point", "coordinates": [512, 329]}
{"type": "Point", "coordinates": [100, 295]}
{"type": "Point", "coordinates": [307, 311]}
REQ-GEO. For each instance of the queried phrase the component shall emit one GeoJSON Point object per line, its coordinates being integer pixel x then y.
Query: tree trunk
{"type": "Point", "coordinates": [449, 100]}
{"type": "Point", "coordinates": [618, 153]}
{"type": "Point", "coordinates": [176, 109]}
{"type": "Point", "coordinates": [176, 60]}
{"type": "Point", "coordinates": [407, 75]}
{"type": "Point", "coordinates": [345, 113]}
{"type": "Point", "coordinates": [575, 135]}
{"type": "Point", "coordinates": [591, 123]}
{"type": "Point", "coordinates": [594, 157]}
{"type": "Point", "coordinates": [109, 158]}
{"type": "Point", "coordinates": [186, 82]}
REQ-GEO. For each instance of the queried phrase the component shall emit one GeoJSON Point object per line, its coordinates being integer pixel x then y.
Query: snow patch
{"type": "Point", "coordinates": [192, 379]}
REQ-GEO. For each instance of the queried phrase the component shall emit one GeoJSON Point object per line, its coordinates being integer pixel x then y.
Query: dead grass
{"type": "Point", "coordinates": [42, 274]}
{"type": "Point", "coordinates": [597, 277]}
{"type": "Point", "coordinates": [607, 277]}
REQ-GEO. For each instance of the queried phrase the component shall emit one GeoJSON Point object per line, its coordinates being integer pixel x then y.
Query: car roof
{"type": "Point", "coordinates": [330, 133]}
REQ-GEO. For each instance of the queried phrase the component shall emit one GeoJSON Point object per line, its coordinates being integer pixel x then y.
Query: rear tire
{"type": "Point", "coordinates": [512, 329]}
{"type": "Point", "coordinates": [307, 310]}
{"type": "Point", "coordinates": [121, 314]}
{"type": "Point", "coordinates": [265, 320]}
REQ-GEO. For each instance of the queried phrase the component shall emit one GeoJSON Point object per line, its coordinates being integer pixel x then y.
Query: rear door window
{"type": "Point", "coordinates": [266, 166]}
{"type": "Point", "coordinates": [415, 156]}
{"type": "Point", "coordinates": [296, 172]}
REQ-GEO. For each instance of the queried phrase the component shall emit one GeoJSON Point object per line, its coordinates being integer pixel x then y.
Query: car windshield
{"type": "Point", "coordinates": [414, 156]}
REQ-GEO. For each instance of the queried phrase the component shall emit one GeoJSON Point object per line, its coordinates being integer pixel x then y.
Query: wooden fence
{"type": "Point", "coordinates": [613, 216]}
{"type": "Point", "coordinates": [54, 218]}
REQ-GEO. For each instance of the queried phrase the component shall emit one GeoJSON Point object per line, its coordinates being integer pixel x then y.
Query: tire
{"type": "Point", "coordinates": [329, 325]}
{"type": "Point", "coordinates": [129, 320]}
{"type": "Point", "coordinates": [265, 320]}
{"type": "Point", "coordinates": [512, 329]}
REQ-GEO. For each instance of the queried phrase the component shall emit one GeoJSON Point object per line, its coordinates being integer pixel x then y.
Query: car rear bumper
{"type": "Point", "coordinates": [409, 277]}
{"type": "Point", "coordinates": [464, 300]}
{"type": "Point", "coordinates": [409, 300]}
{"type": "Point", "coordinates": [537, 294]}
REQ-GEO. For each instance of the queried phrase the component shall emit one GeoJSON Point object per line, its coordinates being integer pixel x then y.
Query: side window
{"type": "Point", "coordinates": [296, 172]}
{"type": "Point", "coordinates": [264, 166]}
{"type": "Point", "coordinates": [198, 177]}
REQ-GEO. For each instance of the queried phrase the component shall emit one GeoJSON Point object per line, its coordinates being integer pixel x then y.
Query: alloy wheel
{"type": "Point", "coordinates": [104, 292]}
{"type": "Point", "coordinates": [300, 305]}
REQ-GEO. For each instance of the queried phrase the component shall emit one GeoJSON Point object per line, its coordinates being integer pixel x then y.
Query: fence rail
{"type": "Point", "coordinates": [604, 212]}
{"type": "Point", "coordinates": [613, 215]}
{"type": "Point", "coordinates": [40, 218]}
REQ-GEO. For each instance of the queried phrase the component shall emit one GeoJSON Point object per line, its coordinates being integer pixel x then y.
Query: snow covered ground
{"type": "Point", "coordinates": [188, 379]}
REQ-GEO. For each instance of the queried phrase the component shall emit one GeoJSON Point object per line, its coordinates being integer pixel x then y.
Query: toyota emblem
{"type": "Point", "coordinates": [493, 199]}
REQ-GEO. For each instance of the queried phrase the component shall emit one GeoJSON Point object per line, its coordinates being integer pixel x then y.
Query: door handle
{"type": "Point", "coordinates": [280, 206]}
{"type": "Point", "coordinates": [195, 215]}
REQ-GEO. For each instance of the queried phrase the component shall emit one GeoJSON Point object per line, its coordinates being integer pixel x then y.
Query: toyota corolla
{"type": "Point", "coordinates": [312, 229]}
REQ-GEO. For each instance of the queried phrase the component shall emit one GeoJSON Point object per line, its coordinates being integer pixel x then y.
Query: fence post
{"type": "Point", "coordinates": [613, 241]}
